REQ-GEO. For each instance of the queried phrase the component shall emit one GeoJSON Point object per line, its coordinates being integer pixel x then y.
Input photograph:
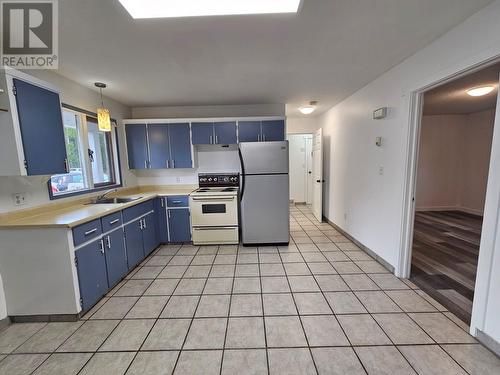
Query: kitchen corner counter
{"type": "Point", "coordinates": [73, 213]}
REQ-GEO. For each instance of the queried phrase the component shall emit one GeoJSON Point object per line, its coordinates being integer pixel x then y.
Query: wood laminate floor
{"type": "Point", "coordinates": [445, 255]}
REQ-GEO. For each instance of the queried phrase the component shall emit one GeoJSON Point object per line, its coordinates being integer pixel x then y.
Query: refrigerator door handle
{"type": "Point", "coordinates": [242, 174]}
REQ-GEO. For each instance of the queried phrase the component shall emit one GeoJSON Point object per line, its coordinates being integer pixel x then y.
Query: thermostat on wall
{"type": "Point", "coordinates": [380, 113]}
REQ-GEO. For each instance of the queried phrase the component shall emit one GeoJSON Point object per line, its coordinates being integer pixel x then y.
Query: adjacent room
{"type": "Point", "coordinates": [250, 187]}
{"type": "Point", "coordinates": [453, 166]}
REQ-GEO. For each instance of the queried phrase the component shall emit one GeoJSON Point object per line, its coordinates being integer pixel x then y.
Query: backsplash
{"type": "Point", "coordinates": [208, 159]}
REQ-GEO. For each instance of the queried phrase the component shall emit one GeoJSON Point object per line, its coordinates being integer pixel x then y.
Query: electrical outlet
{"type": "Point", "coordinates": [381, 170]}
{"type": "Point", "coordinates": [19, 199]}
{"type": "Point", "coordinates": [179, 180]}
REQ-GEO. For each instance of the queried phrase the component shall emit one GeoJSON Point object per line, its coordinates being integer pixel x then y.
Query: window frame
{"type": "Point", "coordinates": [113, 150]}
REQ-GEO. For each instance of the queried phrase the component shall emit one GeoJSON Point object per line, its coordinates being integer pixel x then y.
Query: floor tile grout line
{"type": "Point", "coordinates": [194, 314]}
{"type": "Point", "coordinates": [300, 320]}
{"type": "Point", "coordinates": [227, 319]}
{"type": "Point", "coordinates": [340, 325]}
{"type": "Point", "coordinates": [263, 313]}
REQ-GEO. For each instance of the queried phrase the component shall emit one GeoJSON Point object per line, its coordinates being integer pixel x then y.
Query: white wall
{"type": "Point", "coordinates": [296, 125]}
{"type": "Point", "coordinates": [209, 111]}
{"type": "Point", "coordinates": [79, 96]}
{"type": "Point", "coordinates": [453, 161]}
{"type": "Point", "coordinates": [370, 206]}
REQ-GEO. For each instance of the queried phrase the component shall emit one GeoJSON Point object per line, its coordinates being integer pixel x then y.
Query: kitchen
{"type": "Point", "coordinates": [146, 222]}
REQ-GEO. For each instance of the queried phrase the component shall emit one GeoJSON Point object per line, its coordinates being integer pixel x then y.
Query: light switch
{"type": "Point", "coordinates": [378, 141]}
{"type": "Point", "coordinates": [381, 170]}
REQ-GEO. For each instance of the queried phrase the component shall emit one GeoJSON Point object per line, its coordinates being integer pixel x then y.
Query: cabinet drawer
{"type": "Point", "coordinates": [137, 211]}
{"type": "Point", "coordinates": [111, 222]}
{"type": "Point", "coordinates": [87, 232]}
{"type": "Point", "coordinates": [178, 201]}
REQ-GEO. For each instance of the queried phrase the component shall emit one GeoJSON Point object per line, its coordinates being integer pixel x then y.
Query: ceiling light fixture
{"type": "Point", "coordinates": [103, 118]}
{"type": "Point", "coordinates": [308, 109]}
{"type": "Point", "coordinates": [480, 91]}
{"type": "Point", "coordinates": [197, 8]}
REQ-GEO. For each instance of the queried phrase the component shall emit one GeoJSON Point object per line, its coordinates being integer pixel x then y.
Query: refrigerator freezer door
{"type": "Point", "coordinates": [265, 210]}
{"type": "Point", "coordinates": [264, 157]}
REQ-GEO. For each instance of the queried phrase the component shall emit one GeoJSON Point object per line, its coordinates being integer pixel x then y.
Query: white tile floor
{"type": "Point", "coordinates": [317, 306]}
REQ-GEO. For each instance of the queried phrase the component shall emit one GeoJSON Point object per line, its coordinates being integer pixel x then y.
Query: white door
{"type": "Point", "coordinates": [309, 167]}
{"type": "Point", "coordinates": [317, 172]}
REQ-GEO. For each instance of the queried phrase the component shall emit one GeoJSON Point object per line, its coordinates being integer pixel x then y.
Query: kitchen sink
{"type": "Point", "coordinates": [114, 200]}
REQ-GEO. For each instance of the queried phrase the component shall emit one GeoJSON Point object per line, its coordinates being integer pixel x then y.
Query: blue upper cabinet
{"type": "Point", "coordinates": [203, 133]}
{"type": "Point", "coordinates": [42, 130]}
{"type": "Point", "coordinates": [273, 130]}
{"type": "Point", "coordinates": [249, 131]}
{"type": "Point", "coordinates": [137, 146]}
{"type": "Point", "coordinates": [225, 133]}
{"type": "Point", "coordinates": [180, 146]}
{"type": "Point", "coordinates": [159, 149]}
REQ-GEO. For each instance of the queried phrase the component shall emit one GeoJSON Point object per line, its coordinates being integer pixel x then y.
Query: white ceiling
{"type": "Point", "coordinates": [326, 52]}
{"type": "Point", "coordinates": [452, 97]}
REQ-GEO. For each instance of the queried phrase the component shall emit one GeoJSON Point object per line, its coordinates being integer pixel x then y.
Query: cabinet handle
{"type": "Point", "coordinates": [173, 163]}
{"type": "Point", "coordinates": [145, 164]}
{"type": "Point", "coordinates": [89, 232]}
{"type": "Point", "coordinates": [140, 224]}
{"type": "Point", "coordinates": [258, 137]}
{"type": "Point", "coordinates": [216, 139]}
{"type": "Point", "coordinates": [162, 202]}
{"type": "Point", "coordinates": [144, 225]}
{"type": "Point", "coordinates": [101, 245]}
{"type": "Point", "coordinates": [169, 214]}
{"type": "Point", "coordinates": [114, 221]}
{"type": "Point", "coordinates": [211, 140]}
{"type": "Point", "coordinates": [264, 137]}
{"type": "Point", "coordinates": [168, 163]}
{"type": "Point", "coordinates": [108, 242]}
{"type": "Point", "coordinates": [176, 201]}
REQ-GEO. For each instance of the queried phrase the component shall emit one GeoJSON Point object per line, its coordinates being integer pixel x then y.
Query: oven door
{"type": "Point", "coordinates": [213, 211]}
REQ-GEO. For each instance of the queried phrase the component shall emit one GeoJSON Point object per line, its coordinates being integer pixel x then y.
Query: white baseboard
{"type": "Point", "coordinates": [451, 208]}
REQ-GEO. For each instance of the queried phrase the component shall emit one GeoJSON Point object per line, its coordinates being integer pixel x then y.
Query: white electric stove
{"type": "Point", "coordinates": [214, 210]}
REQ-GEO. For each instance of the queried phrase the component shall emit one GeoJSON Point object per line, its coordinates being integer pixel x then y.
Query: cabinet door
{"type": "Point", "coordinates": [179, 225]}
{"type": "Point", "coordinates": [159, 149]}
{"type": "Point", "coordinates": [225, 133]}
{"type": "Point", "coordinates": [273, 130]}
{"type": "Point", "coordinates": [150, 238]}
{"type": "Point", "coordinates": [161, 220]}
{"type": "Point", "coordinates": [134, 244]}
{"type": "Point", "coordinates": [180, 146]}
{"type": "Point", "coordinates": [249, 131]}
{"type": "Point", "coordinates": [42, 130]}
{"type": "Point", "coordinates": [92, 277]}
{"type": "Point", "coordinates": [137, 146]}
{"type": "Point", "coordinates": [116, 256]}
{"type": "Point", "coordinates": [203, 133]}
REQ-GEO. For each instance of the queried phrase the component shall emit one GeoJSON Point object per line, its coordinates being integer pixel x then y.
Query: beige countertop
{"type": "Point", "coordinates": [75, 212]}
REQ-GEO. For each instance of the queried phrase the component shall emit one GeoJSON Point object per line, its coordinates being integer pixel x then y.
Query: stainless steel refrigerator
{"type": "Point", "coordinates": [264, 193]}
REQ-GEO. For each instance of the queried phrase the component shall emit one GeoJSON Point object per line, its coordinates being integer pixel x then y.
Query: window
{"type": "Point", "coordinates": [92, 156]}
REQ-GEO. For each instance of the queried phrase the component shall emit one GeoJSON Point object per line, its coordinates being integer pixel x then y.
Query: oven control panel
{"type": "Point", "coordinates": [218, 180]}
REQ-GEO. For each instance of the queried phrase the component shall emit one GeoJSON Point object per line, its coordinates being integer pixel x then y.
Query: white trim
{"type": "Point", "coordinates": [492, 206]}
{"type": "Point", "coordinates": [466, 210]}
{"type": "Point", "coordinates": [200, 119]}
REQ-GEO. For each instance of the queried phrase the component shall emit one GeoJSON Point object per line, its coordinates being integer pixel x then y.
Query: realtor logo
{"type": "Point", "coordinates": [29, 34]}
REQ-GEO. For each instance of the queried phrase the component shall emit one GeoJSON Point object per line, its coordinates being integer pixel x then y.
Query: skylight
{"type": "Point", "coordinates": [197, 8]}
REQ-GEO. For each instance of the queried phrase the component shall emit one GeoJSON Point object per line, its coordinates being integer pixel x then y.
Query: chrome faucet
{"type": "Point", "coordinates": [102, 196]}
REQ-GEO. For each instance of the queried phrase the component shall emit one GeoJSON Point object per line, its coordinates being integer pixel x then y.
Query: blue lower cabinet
{"type": "Point", "coordinates": [149, 236]}
{"type": "Point", "coordinates": [92, 276]}
{"type": "Point", "coordinates": [161, 220]}
{"type": "Point", "coordinates": [134, 243]}
{"type": "Point", "coordinates": [116, 256]}
{"type": "Point", "coordinates": [179, 225]}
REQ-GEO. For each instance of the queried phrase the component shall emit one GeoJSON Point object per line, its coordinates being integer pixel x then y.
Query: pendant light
{"type": "Point", "coordinates": [103, 119]}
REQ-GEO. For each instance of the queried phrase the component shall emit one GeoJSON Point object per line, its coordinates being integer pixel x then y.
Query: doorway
{"type": "Point", "coordinates": [301, 163]}
{"type": "Point", "coordinates": [456, 133]}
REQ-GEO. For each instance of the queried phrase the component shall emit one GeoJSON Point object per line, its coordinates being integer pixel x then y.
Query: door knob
{"type": "Point", "coordinates": [318, 181]}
